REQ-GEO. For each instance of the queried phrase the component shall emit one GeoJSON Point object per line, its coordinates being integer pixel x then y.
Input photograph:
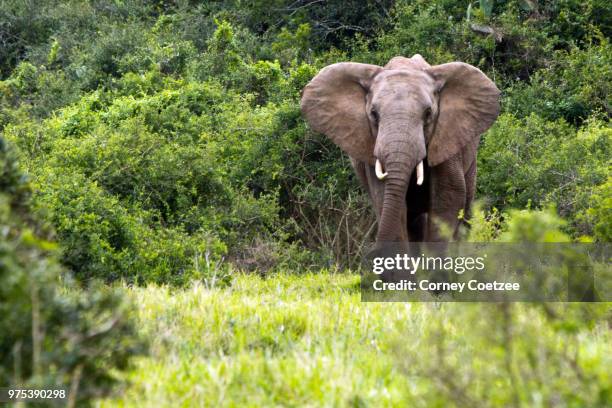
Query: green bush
{"type": "Point", "coordinates": [501, 359]}
{"type": "Point", "coordinates": [142, 180]}
{"type": "Point", "coordinates": [598, 215]}
{"type": "Point", "coordinates": [54, 334]}
{"type": "Point", "coordinates": [534, 162]}
{"type": "Point", "coordinates": [37, 91]}
{"type": "Point", "coordinates": [574, 86]}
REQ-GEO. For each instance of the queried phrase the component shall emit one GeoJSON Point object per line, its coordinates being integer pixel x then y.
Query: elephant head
{"type": "Point", "coordinates": [397, 116]}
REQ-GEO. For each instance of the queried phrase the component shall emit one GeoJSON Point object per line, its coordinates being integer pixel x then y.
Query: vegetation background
{"type": "Point", "coordinates": [172, 232]}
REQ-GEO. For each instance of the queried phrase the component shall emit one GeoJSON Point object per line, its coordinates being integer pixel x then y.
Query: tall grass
{"type": "Point", "coordinates": [307, 340]}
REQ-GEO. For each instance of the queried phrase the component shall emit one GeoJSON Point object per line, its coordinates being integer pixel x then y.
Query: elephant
{"type": "Point", "coordinates": [412, 132]}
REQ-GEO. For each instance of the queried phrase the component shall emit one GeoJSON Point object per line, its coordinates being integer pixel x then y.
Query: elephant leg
{"type": "Point", "coordinates": [470, 185]}
{"type": "Point", "coordinates": [417, 201]}
{"type": "Point", "coordinates": [470, 169]}
{"type": "Point", "coordinates": [417, 226]}
{"type": "Point", "coordinates": [448, 193]}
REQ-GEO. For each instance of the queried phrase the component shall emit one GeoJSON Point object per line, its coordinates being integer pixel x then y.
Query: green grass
{"type": "Point", "coordinates": [307, 340]}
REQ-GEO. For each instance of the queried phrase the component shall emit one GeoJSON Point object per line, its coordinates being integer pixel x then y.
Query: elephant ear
{"type": "Point", "coordinates": [334, 103]}
{"type": "Point", "coordinates": [468, 106]}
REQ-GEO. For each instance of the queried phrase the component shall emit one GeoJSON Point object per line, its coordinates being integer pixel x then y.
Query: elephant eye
{"type": "Point", "coordinates": [427, 114]}
{"type": "Point", "coordinates": [374, 114]}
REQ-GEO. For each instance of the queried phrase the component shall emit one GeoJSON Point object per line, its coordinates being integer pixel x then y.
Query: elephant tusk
{"type": "Point", "coordinates": [420, 175]}
{"type": "Point", "coordinates": [379, 170]}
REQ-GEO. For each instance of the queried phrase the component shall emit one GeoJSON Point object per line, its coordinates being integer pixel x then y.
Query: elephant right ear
{"type": "Point", "coordinates": [334, 103]}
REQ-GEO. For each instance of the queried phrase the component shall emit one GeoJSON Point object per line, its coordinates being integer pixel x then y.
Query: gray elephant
{"type": "Point", "coordinates": [412, 132]}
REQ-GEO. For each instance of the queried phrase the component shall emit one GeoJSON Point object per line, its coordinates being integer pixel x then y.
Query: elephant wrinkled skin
{"type": "Point", "coordinates": [391, 119]}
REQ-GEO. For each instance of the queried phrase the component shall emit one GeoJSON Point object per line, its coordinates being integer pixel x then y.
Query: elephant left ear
{"type": "Point", "coordinates": [468, 106]}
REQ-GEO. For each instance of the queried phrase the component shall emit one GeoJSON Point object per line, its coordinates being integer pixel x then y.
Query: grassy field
{"type": "Point", "coordinates": [308, 340]}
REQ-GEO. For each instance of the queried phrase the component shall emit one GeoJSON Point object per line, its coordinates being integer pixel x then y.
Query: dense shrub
{"type": "Point", "coordinates": [509, 345]}
{"type": "Point", "coordinates": [574, 86]}
{"type": "Point", "coordinates": [35, 90]}
{"type": "Point", "coordinates": [598, 215]}
{"type": "Point", "coordinates": [53, 334]}
{"type": "Point", "coordinates": [534, 162]}
{"type": "Point", "coordinates": [139, 187]}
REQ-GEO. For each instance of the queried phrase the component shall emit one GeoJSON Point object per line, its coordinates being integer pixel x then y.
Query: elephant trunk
{"type": "Point", "coordinates": [403, 154]}
{"type": "Point", "coordinates": [390, 228]}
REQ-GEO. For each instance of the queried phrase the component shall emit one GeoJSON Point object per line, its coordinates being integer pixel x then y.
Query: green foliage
{"type": "Point", "coordinates": [485, 227]}
{"type": "Point", "coordinates": [333, 22]}
{"type": "Point", "coordinates": [292, 46]}
{"type": "Point", "coordinates": [35, 91]}
{"type": "Point", "coordinates": [506, 343]}
{"type": "Point", "coordinates": [502, 353]}
{"type": "Point", "coordinates": [599, 213]}
{"type": "Point", "coordinates": [223, 50]}
{"type": "Point", "coordinates": [509, 40]}
{"type": "Point", "coordinates": [53, 333]}
{"type": "Point", "coordinates": [271, 341]}
{"type": "Point", "coordinates": [143, 179]}
{"type": "Point", "coordinates": [574, 86]}
{"type": "Point", "coordinates": [22, 26]}
{"type": "Point", "coordinates": [534, 226]}
{"type": "Point", "coordinates": [534, 162]}
{"type": "Point", "coordinates": [487, 7]}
